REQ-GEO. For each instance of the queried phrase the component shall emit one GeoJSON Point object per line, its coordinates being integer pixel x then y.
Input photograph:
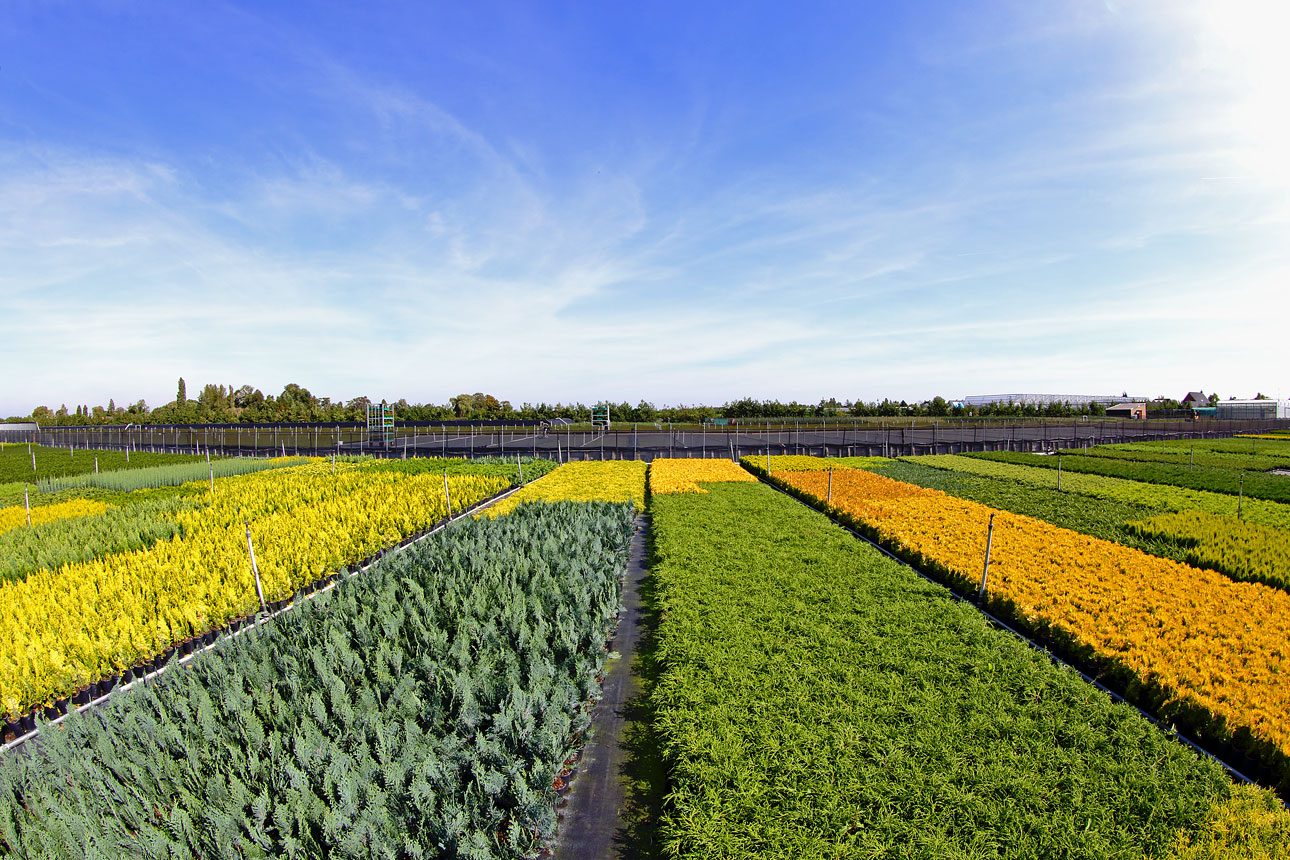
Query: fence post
{"type": "Point", "coordinates": [250, 548]}
{"type": "Point", "coordinates": [985, 571]}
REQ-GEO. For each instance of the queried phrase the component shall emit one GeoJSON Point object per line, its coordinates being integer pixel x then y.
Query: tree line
{"type": "Point", "coordinates": [225, 404]}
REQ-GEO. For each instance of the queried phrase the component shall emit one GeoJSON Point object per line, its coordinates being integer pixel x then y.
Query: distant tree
{"type": "Point", "coordinates": [1261, 396]}
{"type": "Point", "coordinates": [181, 396]}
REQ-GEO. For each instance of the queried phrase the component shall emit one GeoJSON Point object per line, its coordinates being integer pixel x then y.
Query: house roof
{"type": "Point", "coordinates": [1195, 397]}
{"type": "Point", "coordinates": [1127, 406]}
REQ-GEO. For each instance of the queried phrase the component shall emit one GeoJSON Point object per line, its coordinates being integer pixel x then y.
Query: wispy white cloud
{"type": "Point", "coordinates": [1094, 240]}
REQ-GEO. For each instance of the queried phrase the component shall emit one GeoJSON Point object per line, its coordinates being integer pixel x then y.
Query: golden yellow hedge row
{"type": "Point", "coordinates": [1209, 641]}
{"type": "Point", "coordinates": [16, 515]}
{"type": "Point", "coordinates": [591, 481]}
{"type": "Point", "coordinates": [684, 475]}
{"type": "Point", "coordinates": [64, 629]}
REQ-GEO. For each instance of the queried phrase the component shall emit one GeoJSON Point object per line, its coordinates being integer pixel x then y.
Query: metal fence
{"type": "Point", "coordinates": [643, 441]}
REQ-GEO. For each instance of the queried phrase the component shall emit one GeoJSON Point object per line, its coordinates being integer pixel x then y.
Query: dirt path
{"type": "Point", "coordinates": [593, 825]}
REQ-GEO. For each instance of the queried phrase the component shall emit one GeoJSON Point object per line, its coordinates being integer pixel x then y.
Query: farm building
{"type": "Point", "coordinates": [1194, 399]}
{"type": "Point", "coordinates": [16, 432]}
{"type": "Point", "coordinates": [1046, 399]}
{"type": "Point", "coordinates": [1127, 410]}
{"type": "Point", "coordinates": [1253, 409]}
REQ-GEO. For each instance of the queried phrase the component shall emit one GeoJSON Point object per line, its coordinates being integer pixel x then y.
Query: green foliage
{"type": "Point", "coordinates": [504, 467]}
{"type": "Point", "coordinates": [1250, 457]}
{"type": "Point", "coordinates": [421, 709]}
{"type": "Point", "coordinates": [1209, 478]}
{"type": "Point", "coordinates": [819, 700]}
{"type": "Point", "coordinates": [15, 462]}
{"type": "Point", "coordinates": [1242, 550]}
{"type": "Point", "coordinates": [169, 475]}
{"type": "Point", "coordinates": [49, 546]}
{"type": "Point", "coordinates": [1161, 496]}
{"type": "Point", "coordinates": [1102, 518]}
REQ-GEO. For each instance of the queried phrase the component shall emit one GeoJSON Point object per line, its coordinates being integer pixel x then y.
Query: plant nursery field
{"type": "Point", "coordinates": [818, 699]}
{"type": "Point", "coordinates": [356, 657]}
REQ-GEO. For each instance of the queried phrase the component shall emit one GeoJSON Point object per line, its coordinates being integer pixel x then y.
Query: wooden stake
{"type": "Point", "coordinates": [985, 571]}
{"type": "Point", "coordinates": [829, 500]}
{"type": "Point", "coordinates": [446, 497]}
{"type": "Point", "coordinates": [27, 504]}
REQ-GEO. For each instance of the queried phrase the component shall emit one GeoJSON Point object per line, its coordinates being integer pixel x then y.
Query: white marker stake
{"type": "Point", "coordinates": [446, 497]}
{"type": "Point", "coordinates": [259, 589]}
{"type": "Point", "coordinates": [27, 504]}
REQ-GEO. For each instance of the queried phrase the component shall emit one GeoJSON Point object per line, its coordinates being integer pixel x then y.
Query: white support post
{"type": "Point", "coordinates": [259, 588]}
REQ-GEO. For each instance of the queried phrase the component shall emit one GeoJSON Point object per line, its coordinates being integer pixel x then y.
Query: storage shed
{"type": "Point", "coordinates": [1136, 411]}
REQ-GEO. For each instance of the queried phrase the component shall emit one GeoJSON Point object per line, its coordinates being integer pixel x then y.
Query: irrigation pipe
{"type": "Point", "coordinates": [1033, 643]}
{"type": "Point", "coordinates": [229, 632]}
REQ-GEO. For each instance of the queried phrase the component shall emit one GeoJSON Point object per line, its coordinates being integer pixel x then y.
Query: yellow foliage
{"type": "Point", "coordinates": [64, 629]}
{"type": "Point", "coordinates": [1250, 825]}
{"type": "Point", "coordinates": [590, 481]}
{"type": "Point", "coordinates": [676, 475]}
{"type": "Point", "coordinates": [1208, 640]}
{"type": "Point", "coordinates": [16, 515]}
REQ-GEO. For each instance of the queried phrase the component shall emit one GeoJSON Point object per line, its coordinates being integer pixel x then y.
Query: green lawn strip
{"type": "Point", "coordinates": [1274, 488]}
{"type": "Point", "coordinates": [15, 462]}
{"type": "Point", "coordinates": [1161, 496]}
{"type": "Point", "coordinates": [817, 699]}
{"type": "Point", "coordinates": [422, 709]}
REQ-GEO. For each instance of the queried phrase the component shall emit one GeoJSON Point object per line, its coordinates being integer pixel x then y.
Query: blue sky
{"type": "Point", "coordinates": [680, 202]}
